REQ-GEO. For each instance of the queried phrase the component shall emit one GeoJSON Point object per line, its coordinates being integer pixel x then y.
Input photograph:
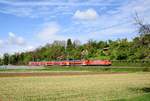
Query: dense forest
{"type": "Point", "coordinates": [122, 49]}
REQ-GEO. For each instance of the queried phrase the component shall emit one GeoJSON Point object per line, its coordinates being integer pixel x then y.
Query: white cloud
{"type": "Point", "coordinates": [89, 14]}
{"type": "Point", "coordinates": [11, 49]}
{"type": "Point", "coordinates": [114, 23]}
{"type": "Point", "coordinates": [1, 43]}
{"type": "Point", "coordinates": [30, 48]}
{"type": "Point", "coordinates": [15, 40]}
{"type": "Point", "coordinates": [15, 44]}
{"type": "Point", "coordinates": [49, 31]}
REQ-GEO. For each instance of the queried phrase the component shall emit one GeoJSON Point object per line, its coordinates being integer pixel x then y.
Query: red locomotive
{"type": "Point", "coordinates": [72, 63]}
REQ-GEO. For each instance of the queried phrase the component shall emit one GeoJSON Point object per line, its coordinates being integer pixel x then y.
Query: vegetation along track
{"type": "Point", "coordinates": [26, 74]}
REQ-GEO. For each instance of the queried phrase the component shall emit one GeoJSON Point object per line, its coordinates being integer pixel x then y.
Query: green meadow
{"type": "Point", "coordinates": [98, 87]}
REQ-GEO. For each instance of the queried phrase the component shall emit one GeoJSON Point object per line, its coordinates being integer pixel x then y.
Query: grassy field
{"type": "Point", "coordinates": [82, 68]}
{"type": "Point", "coordinates": [100, 87]}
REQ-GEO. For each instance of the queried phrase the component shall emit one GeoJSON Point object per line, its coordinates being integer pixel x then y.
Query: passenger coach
{"type": "Point", "coordinates": [72, 63]}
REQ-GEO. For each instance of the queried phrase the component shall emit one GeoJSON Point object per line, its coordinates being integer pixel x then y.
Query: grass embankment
{"type": "Point", "coordinates": [100, 69]}
{"type": "Point", "coordinates": [82, 69]}
{"type": "Point", "coordinates": [112, 87]}
{"type": "Point", "coordinates": [131, 63]}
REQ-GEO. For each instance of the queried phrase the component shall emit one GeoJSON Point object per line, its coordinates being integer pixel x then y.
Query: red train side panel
{"type": "Point", "coordinates": [99, 62]}
{"type": "Point", "coordinates": [70, 63]}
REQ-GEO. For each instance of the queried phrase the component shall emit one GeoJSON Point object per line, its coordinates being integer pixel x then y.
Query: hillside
{"type": "Point", "coordinates": [121, 49]}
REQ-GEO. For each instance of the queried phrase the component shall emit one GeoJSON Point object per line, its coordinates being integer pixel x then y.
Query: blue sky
{"type": "Point", "coordinates": [28, 24]}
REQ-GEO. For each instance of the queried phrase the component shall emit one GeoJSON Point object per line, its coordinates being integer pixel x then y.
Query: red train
{"type": "Point", "coordinates": [72, 63]}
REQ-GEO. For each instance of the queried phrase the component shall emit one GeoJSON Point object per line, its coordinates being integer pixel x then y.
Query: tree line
{"type": "Point", "coordinates": [122, 49]}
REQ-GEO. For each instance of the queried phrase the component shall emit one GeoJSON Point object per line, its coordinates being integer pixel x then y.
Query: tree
{"type": "Point", "coordinates": [69, 49]}
{"type": "Point", "coordinates": [143, 28]}
{"type": "Point", "coordinates": [6, 59]}
{"type": "Point", "coordinates": [1, 61]}
{"type": "Point", "coordinates": [69, 45]}
{"type": "Point", "coordinates": [76, 43]}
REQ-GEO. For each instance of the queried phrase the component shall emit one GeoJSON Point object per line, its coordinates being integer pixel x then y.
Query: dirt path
{"type": "Point", "coordinates": [26, 74]}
